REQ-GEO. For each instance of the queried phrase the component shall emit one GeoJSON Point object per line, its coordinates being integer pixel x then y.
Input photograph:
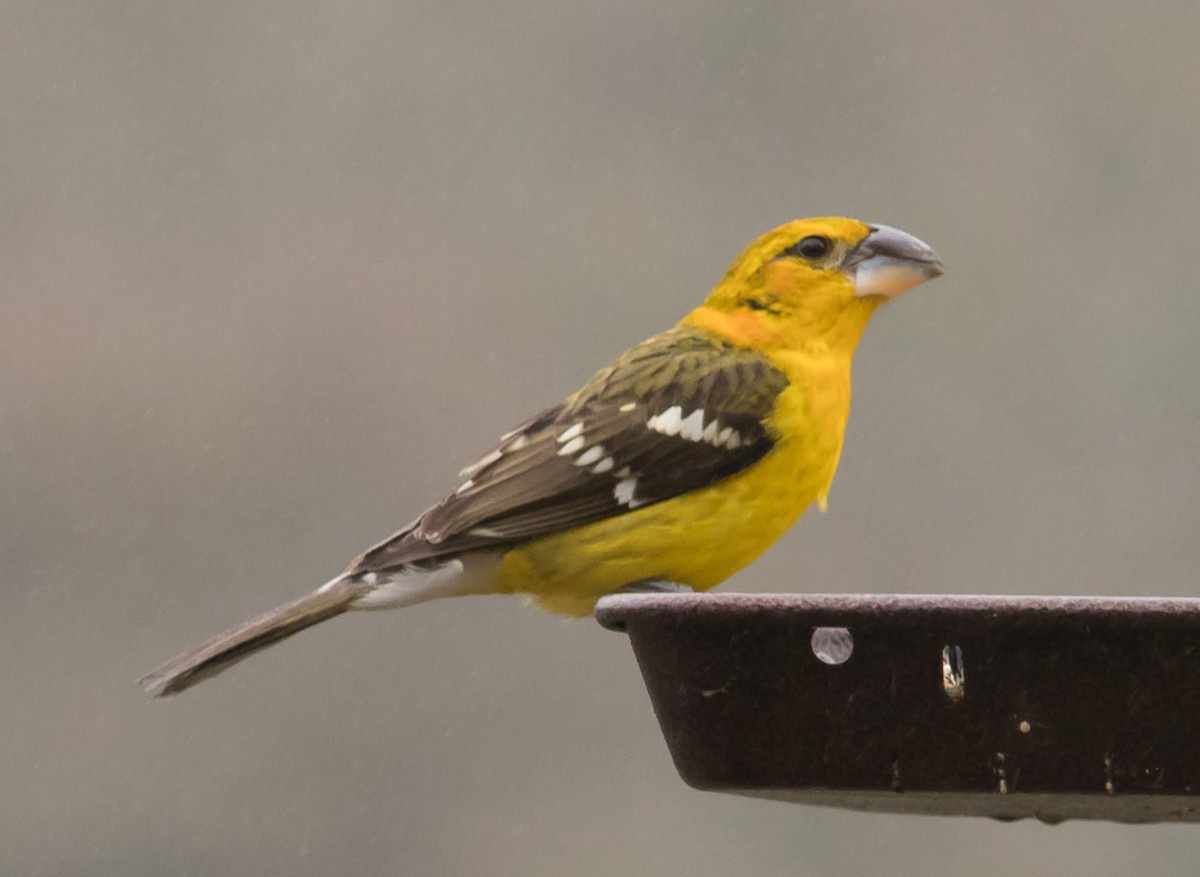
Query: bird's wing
{"type": "Point", "coordinates": [674, 414]}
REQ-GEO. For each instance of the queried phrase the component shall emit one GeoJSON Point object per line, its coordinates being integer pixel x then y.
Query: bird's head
{"type": "Point", "coordinates": [814, 282]}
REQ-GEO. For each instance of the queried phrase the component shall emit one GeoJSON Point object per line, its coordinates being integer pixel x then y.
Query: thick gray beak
{"type": "Point", "coordinates": [889, 262]}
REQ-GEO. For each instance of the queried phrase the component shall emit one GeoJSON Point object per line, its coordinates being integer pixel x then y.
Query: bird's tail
{"type": "Point", "coordinates": [225, 649]}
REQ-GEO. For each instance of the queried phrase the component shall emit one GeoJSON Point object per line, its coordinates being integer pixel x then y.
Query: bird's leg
{"type": "Point", "coordinates": [654, 586]}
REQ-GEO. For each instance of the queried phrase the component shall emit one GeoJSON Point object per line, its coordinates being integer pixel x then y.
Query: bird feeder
{"type": "Point", "coordinates": [1008, 707]}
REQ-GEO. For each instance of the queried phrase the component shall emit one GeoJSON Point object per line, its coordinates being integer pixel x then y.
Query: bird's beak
{"type": "Point", "coordinates": [889, 262]}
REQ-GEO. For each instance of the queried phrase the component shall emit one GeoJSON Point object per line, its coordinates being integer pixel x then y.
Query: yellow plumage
{"type": "Point", "coordinates": [701, 538]}
{"type": "Point", "coordinates": [681, 461]}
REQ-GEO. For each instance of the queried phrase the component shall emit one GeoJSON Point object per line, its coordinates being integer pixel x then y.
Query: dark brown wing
{"type": "Point", "coordinates": [674, 414]}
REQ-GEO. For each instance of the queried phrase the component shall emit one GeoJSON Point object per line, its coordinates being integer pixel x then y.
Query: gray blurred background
{"type": "Point", "coordinates": [271, 272]}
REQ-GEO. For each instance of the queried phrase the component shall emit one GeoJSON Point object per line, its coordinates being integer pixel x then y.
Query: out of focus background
{"type": "Point", "coordinates": [271, 272]}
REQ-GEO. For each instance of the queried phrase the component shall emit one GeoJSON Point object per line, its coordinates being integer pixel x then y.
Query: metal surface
{"type": "Point", "coordinates": [1011, 707]}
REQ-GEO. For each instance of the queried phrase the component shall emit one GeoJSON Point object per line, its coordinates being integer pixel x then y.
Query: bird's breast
{"type": "Point", "coordinates": [702, 537]}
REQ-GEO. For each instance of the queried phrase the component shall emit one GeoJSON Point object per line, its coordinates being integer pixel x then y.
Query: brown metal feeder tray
{"type": "Point", "coordinates": [1047, 707]}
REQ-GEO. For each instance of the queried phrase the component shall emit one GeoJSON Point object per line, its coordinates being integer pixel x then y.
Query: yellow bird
{"type": "Point", "coordinates": [675, 465]}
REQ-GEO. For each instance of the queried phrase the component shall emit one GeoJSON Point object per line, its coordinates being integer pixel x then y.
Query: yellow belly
{"type": "Point", "coordinates": [703, 537]}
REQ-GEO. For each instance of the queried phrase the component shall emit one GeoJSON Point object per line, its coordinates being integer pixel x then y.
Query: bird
{"type": "Point", "coordinates": [672, 467]}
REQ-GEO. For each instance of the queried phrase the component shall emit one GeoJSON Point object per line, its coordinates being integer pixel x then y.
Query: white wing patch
{"type": "Point", "coordinates": [572, 446]}
{"type": "Point", "coordinates": [623, 492]}
{"type": "Point", "coordinates": [603, 466]}
{"type": "Point", "coordinates": [693, 429]}
{"type": "Point", "coordinates": [590, 456]}
{"type": "Point", "coordinates": [484, 461]}
{"type": "Point", "coordinates": [594, 458]}
{"type": "Point", "coordinates": [570, 433]}
{"type": "Point", "coordinates": [692, 426]}
{"type": "Point", "coordinates": [668, 422]}
{"type": "Point", "coordinates": [509, 442]}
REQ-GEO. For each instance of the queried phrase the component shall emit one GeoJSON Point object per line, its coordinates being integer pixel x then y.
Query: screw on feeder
{"type": "Point", "coordinates": [832, 645]}
{"type": "Point", "coordinates": [954, 673]}
{"type": "Point", "coordinates": [1002, 776]}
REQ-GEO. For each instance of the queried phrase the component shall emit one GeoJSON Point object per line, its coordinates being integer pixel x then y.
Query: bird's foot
{"type": "Point", "coordinates": [654, 586]}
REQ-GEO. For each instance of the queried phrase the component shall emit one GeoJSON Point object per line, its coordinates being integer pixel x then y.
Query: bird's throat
{"type": "Point", "coordinates": [819, 332]}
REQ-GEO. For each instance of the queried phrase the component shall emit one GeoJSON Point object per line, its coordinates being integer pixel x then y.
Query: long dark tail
{"type": "Point", "coordinates": [226, 649]}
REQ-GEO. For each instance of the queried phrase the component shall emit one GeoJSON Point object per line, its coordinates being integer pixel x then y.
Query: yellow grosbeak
{"type": "Point", "coordinates": [679, 462]}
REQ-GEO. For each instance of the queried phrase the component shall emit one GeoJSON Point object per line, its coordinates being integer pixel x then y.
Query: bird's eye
{"type": "Point", "coordinates": [814, 246]}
